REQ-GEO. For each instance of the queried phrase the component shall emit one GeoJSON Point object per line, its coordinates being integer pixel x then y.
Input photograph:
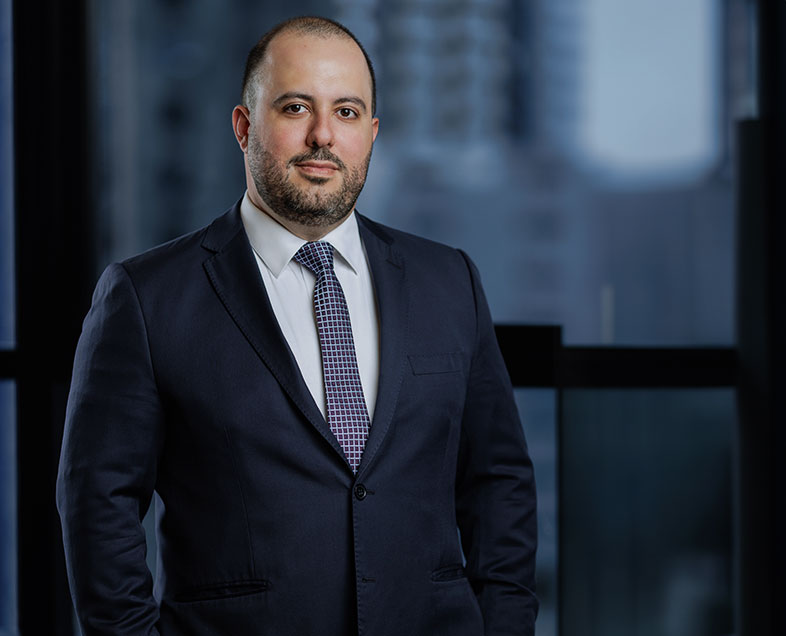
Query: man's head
{"type": "Point", "coordinates": [307, 124]}
{"type": "Point", "coordinates": [306, 25]}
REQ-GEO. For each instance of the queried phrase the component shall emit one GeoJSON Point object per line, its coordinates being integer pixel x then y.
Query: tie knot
{"type": "Point", "coordinates": [317, 256]}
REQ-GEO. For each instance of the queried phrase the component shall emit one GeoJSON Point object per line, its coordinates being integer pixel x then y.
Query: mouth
{"type": "Point", "coordinates": [313, 168]}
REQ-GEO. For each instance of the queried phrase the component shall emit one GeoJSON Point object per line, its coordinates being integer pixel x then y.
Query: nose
{"type": "Point", "coordinates": [320, 133]}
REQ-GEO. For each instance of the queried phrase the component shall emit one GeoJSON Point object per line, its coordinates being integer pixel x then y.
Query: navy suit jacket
{"type": "Point", "coordinates": [184, 389]}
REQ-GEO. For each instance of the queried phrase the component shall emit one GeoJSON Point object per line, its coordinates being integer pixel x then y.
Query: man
{"type": "Point", "coordinates": [317, 402]}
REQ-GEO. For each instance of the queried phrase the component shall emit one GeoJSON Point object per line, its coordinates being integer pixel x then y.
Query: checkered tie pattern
{"type": "Point", "coordinates": [346, 405]}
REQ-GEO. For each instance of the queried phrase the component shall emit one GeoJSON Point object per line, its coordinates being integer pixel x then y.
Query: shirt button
{"type": "Point", "coordinates": [360, 492]}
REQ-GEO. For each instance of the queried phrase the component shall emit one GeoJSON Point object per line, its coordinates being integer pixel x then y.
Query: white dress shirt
{"type": "Point", "coordinates": [290, 287]}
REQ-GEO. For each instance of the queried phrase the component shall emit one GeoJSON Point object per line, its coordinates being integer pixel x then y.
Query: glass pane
{"type": "Point", "coordinates": [8, 619]}
{"type": "Point", "coordinates": [7, 306]}
{"type": "Point", "coordinates": [646, 525]}
{"type": "Point", "coordinates": [519, 132]}
{"type": "Point", "coordinates": [538, 410]}
{"type": "Point", "coordinates": [522, 132]}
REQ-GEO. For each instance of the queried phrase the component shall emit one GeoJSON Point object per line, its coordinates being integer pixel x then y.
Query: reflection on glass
{"type": "Point", "coordinates": [6, 182]}
{"type": "Point", "coordinates": [8, 620]}
{"type": "Point", "coordinates": [646, 525]}
{"type": "Point", "coordinates": [538, 411]}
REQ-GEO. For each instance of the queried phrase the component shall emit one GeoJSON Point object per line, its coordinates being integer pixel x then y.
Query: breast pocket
{"type": "Point", "coordinates": [434, 363]}
{"type": "Point", "coordinates": [434, 391]}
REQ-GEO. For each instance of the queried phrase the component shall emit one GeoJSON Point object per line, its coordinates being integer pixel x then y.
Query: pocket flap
{"type": "Point", "coordinates": [448, 573]}
{"type": "Point", "coordinates": [424, 364]}
{"type": "Point", "coordinates": [219, 591]}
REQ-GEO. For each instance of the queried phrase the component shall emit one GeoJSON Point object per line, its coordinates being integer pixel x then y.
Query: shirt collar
{"type": "Point", "coordinates": [276, 245]}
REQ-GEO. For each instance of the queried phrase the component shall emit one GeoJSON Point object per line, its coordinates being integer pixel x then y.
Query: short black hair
{"type": "Point", "coordinates": [314, 25]}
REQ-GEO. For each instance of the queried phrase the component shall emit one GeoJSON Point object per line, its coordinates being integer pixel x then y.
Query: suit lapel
{"type": "Point", "coordinates": [234, 274]}
{"type": "Point", "coordinates": [387, 270]}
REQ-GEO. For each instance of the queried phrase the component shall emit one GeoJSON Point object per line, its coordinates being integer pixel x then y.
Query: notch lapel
{"type": "Point", "coordinates": [387, 270]}
{"type": "Point", "coordinates": [234, 275]}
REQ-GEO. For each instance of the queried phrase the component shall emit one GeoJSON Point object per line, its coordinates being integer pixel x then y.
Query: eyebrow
{"type": "Point", "coordinates": [352, 100]}
{"type": "Point", "coordinates": [309, 98]}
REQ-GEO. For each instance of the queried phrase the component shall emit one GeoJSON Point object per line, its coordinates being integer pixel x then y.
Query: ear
{"type": "Point", "coordinates": [241, 122]}
{"type": "Point", "coordinates": [374, 128]}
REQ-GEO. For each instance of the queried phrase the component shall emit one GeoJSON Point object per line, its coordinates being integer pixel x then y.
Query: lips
{"type": "Point", "coordinates": [318, 164]}
{"type": "Point", "coordinates": [317, 168]}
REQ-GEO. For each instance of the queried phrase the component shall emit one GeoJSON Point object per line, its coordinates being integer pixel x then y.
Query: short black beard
{"type": "Point", "coordinates": [297, 204]}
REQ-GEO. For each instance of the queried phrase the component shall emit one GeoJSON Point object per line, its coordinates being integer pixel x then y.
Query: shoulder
{"type": "Point", "coordinates": [416, 250]}
{"type": "Point", "coordinates": [436, 274]}
{"type": "Point", "coordinates": [424, 260]}
{"type": "Point", "coordinates": [173, 269]}
{"type": "Point", "coordinates": [187, 252]}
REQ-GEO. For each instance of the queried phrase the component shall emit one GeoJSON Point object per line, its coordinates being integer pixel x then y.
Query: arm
{"type": "Point", "coordinates": [113, 434]}
{"type": "Point", "coordinates": [495, 489]}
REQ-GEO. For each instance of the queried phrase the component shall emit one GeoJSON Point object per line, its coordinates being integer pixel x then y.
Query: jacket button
{"type": "Point", "coordinates": [360, 492]}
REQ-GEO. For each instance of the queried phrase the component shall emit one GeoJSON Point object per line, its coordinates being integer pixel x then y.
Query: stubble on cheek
{"type": "Point", "coordinates": [305, 205]}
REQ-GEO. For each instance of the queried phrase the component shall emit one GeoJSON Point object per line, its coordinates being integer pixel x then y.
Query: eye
{"type": "Point", "coordinates": [294, 109]}
{"type": "Point", "coordinates": [347, 113]}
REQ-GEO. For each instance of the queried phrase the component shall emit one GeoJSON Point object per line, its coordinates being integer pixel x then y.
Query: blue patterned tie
{"type": "Point", "coordinates": [346, 407]}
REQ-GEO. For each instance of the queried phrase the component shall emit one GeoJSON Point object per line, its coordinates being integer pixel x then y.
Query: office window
{"type": "Point", "coordinates": [538, 411]}
{"type": "Point", "coordinates": [646, 534]}
{"type": "Point", "coordinates": [547, 138]}
{"type": "Point", "coordinates": [504, 132]}
{"type": "Point", "coordinates": [610, 210]}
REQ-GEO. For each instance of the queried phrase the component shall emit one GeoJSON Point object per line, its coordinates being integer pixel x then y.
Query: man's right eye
{"type": "Point", "coordinates": [295, 109]}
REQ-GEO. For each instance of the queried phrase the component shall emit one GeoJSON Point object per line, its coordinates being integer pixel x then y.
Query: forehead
{"type": "Point", "coordinates": [297, 61]}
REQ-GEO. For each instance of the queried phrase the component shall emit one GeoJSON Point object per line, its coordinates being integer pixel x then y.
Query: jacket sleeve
{"type": "Point", "coordinates": [113, 435]}
{"type": "Point", "coordinates": [495, 489]}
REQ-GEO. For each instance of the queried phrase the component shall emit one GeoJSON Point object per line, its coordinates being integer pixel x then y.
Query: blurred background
{"type": "Point", "coordinates": [610, 165]}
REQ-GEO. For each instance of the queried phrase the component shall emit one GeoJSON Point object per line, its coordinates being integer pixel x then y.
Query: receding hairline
{"type": "Point", "coordinates": [316, 26]}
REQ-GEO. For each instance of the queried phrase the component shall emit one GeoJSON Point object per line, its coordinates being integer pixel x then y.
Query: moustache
{"type": "Point", "coordinates": [320, 154]}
